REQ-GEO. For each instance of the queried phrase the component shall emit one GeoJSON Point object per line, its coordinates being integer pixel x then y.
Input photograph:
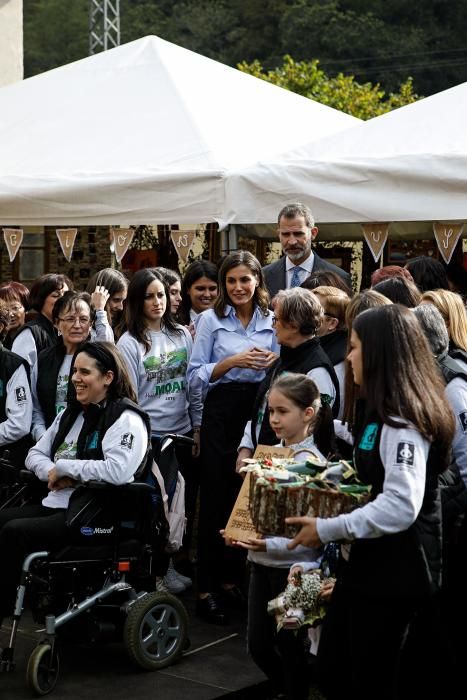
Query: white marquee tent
{"type": "Point", "coordinates": [140, 134]}
{"type": "Point", "coordinates": [409, 165]}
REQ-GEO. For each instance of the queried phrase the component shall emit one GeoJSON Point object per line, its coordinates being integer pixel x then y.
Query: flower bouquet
{"type": "Point", "coordinates": [300, 603]}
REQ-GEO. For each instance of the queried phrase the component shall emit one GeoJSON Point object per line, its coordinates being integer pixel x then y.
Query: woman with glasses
{"type": "Point", "coordinates": [71, 316]}
{"type": "Point", "coordinates": [16, 298]}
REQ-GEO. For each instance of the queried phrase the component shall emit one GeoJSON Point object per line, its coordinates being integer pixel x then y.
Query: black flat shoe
{"type": "Point", "coordinates": [210, 610]}
{"type": "Point", "coordinates": [234, 598]}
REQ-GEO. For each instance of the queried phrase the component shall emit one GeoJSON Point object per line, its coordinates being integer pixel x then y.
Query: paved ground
{"type": "Point", "coordinates": [215, 665]}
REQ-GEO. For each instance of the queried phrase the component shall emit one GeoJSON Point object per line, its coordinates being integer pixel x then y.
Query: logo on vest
{"type": "Point", "coordinates": [127, 441]}
{"type": "Point", "coordinates": [369, 437]}
{"type": "Point", "coordinates": [89, 531]}
{"type": "Point", "coordinates": [463, 420]}
{"type": "Point", "coordinates": [405, 454]}
{"type": "Point", "coordinates": [92, 440]}
{"type": "Point", "coordinates": [20, 394]}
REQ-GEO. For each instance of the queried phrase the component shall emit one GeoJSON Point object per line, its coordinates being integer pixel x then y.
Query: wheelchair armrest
{"type": "Point", "coordinates": [132, 487]}
{"type": "Point", "coordinates": [178, 439]}
{"type": "Point", "coordinates": [27, 476]}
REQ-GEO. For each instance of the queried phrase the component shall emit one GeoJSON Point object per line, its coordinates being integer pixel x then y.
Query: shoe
{"type": "Point", "coordinates": [210, 610]}
{"type": "Point", "coordinates": [187, 582]}
{"type": "Point", "coordinates": [172, 583]}
{"type": "Point", "coordinates": [234, 598]}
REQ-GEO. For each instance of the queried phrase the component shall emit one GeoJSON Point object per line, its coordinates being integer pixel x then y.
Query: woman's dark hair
{"type": "Point", "coordinates": [368, 299]}
{"type": "Point", "coordinates": [261, 296]}
{"type": "Point", "coordinates": [45, 285]}
{"type": "Point", "coordinates": [134, 316]}
{"type": "Point", "coordinates": [170, 276]}
{"type": "Point", "coordinates": [108, 358]}
{"type": "Point", "coordinates": [68, 302]}
{"type": "Point", "coordinates": [399, 291]}
{"type": "Point", "coordinates": [194, 272]}
{"type": "Point", "coordinates": [15, 291]}
{"type": "Point", "coordinates": [303, 392]}
{"type": "Point", "coordinates": [428, 273]}
{"type": "Point", "coordinates": [325, 278]}
{"type": "Point", "coordinates": [113, 280]}
{"type": "Point", "coordinates": [400, 375]}
{"type": "Point", "coordinates": [4, 319]}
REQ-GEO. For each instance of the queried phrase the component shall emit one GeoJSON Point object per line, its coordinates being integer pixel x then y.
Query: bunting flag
{"type": "Point", "coordinates": [122, 238]}
{"type": "Point", "coordinates": [13, 239]}
{"type": "Point", "coordinates": [447, 236]}
{"type": "Point", "coordinates": [67, 237]}
{"type": "Point", "coordinates": [183, 242]}
{"type": "Point", "coordinates": [376, 236]}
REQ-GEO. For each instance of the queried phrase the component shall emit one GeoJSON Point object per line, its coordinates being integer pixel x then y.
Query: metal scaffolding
{"type": "Point", "coordinates": [104, 25]}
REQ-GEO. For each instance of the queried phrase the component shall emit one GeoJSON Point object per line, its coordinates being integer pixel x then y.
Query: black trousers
{"type": "Point", "coordinates": [226, 411]}
{"type": "Point", "coordinates": [23, 531]}
{"type": "Point", "coordinates": [361, 646]}
{"type": "Point", "coordinates": [281, 656]}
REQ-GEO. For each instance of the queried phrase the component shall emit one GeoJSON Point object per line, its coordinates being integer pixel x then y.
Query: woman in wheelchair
{"type": "Point", "coordinates": [101, 436]}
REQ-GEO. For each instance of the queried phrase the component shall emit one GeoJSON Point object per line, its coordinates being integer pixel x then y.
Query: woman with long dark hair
{"type": "Point", "coordinates": [157, 351]}
{"type": "Point", "coordinates": [234, 346]}
{"type": "Point", "coordinates": [402, 442]}
{"type": "Point", "coordinates": [199, 291]}
{"type": "Point", "coordinates": [102, 435]}
{"type": "Point", "coordinates": [40, 333]}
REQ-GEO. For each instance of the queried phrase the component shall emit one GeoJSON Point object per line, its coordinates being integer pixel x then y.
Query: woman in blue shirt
{"type": "Point", "coordinates": [234, 345]}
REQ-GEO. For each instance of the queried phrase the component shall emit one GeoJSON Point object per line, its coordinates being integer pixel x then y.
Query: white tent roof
{"type": "Point", "coordinates": [407, 165]}
{"type": "Point", "coordinates": [143, 133]}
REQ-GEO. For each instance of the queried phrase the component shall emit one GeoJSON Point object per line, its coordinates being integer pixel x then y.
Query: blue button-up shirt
{"type": "Point", "coordinates": [219, 338]}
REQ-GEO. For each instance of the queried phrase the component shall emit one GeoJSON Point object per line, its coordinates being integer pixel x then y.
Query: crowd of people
{"type": "Point", "coordinates": [234, 355]}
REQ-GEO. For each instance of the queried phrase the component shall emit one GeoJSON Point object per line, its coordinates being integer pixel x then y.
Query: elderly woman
{"type": "Point", "coordinates": [103, 436]}
{"type": "Point", "coordinates": [297, 318]}
{"type": "Point", "coordinates": [452, 309]}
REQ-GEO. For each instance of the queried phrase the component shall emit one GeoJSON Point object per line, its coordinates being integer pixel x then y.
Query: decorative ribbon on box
{"type": "Point", "coordinates": [122, 238]}
{"type": "Point", "coordinates": [13, 239]}
{"type": "Point", "coordinates": [67, 237]}
{"type": "Point", "coordinates": [447, 236]}
{"type": "Point", "coordinates": [376, 236]}
{"type": "Point", "coordinates": [183, 241]}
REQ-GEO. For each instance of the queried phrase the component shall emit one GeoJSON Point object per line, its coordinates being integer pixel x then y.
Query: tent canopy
{"type": "Point", "coordinates": [409, 165]}
{"type": "Point", "coordinates": [143, 133]}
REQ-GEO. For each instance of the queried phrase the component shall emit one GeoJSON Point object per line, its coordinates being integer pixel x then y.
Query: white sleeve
{"type": "Point", "coordinates": [39, 457]}
{"type": "Point", "coordinates": [456, 394]}
{"type": "Point", "coordinates": [24, 345]}
{"type": "Point", "coordinates": [323, 381]}
{"type": "Point", "coordinates": [102, 329]}
{"type": "Point", "coordinates": [123, 446]}
{"type": "Point", "coordinates": [129, 347]}
{"type": "Point", "coordinates": [404, 453]}
{"type": "Point", "coordinates": [18, 408]}
{"type": "Point", "coordinates": [38, 420]}
{"type": "Point", "coordinates": [342, 431]}
{"type": "Point", "coordinates": [246, 440]}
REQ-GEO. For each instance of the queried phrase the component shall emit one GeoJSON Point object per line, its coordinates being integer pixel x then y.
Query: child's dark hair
{"type": "Point", "coordinates": [303, 392]}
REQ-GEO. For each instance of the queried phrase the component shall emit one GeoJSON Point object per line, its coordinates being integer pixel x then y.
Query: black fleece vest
{"type": "Point", "coordinates": [405, 564]}
{"type": "Point", "coordinates": [14, 452]}
{"type": "Point", "coordinates": [299, 360]}
{"type": "Point", "coordinates": [43, 332]}
{"type": "Point", "coordinates": [335, 346]}
{"type": "Point", "coordinates": [98, 418]}
{"type": "Point", "coordinates": [452, 369]}
{"type": "Point", "coordinates": [49, 362]}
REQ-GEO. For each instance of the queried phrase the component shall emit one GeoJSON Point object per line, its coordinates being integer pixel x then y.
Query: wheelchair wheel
{"type": "Point", "coordinates": [43, 669]}
{"type": "Point", "coordinates": [155, 630]}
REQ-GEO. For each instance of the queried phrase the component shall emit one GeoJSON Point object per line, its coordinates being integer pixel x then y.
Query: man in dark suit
{"type": "Point", "coordinates": [297, 230]}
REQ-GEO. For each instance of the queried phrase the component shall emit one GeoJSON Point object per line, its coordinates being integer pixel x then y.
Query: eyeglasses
{"type": "Point", "coordinates": [329, 315]}
{"type": "Point", "coordinates": [15, 308]}
{"type": "Point", "coordinates": [71, 320]}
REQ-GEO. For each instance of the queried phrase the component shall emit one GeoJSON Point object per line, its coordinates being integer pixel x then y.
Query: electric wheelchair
{"type": "Point", "coordinates": [100, 587]}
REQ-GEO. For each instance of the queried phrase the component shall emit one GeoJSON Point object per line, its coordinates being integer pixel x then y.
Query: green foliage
{"type": "Point", "coordinates": [342, 92]}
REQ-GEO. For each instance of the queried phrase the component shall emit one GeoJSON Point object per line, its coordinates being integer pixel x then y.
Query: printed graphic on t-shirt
{"type": "Point", "coordinates": [127, 441]}
{"type": "Point", "coordinates": [369, 437]}
{"type": "Point", "coordinates": [20, 394]}
{"type": "Point", "coordinates": [61, 394]}
{"type": "Point", "coordinates": [67, 450]}
{"type": "Point", "coordinates": [463, 420]}
{"type": "Point", "coordinates": [167, 371]}
{"type": "Point", "coordinates": [405, 454]}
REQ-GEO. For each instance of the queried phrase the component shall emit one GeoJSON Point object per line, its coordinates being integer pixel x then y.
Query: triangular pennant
{"type": "Point", "coordinates": [447, 236]}
{"type": "Point", "coordinates": [376, 236]}
{"type": "Point", "coordinates": [122, 238]}
{"type": "Point", "coordinates": [67, 237]}
{"type": "Point", "coordinates": [13, 239]}
{"type": "Point", "coordinates": [183, 241]}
